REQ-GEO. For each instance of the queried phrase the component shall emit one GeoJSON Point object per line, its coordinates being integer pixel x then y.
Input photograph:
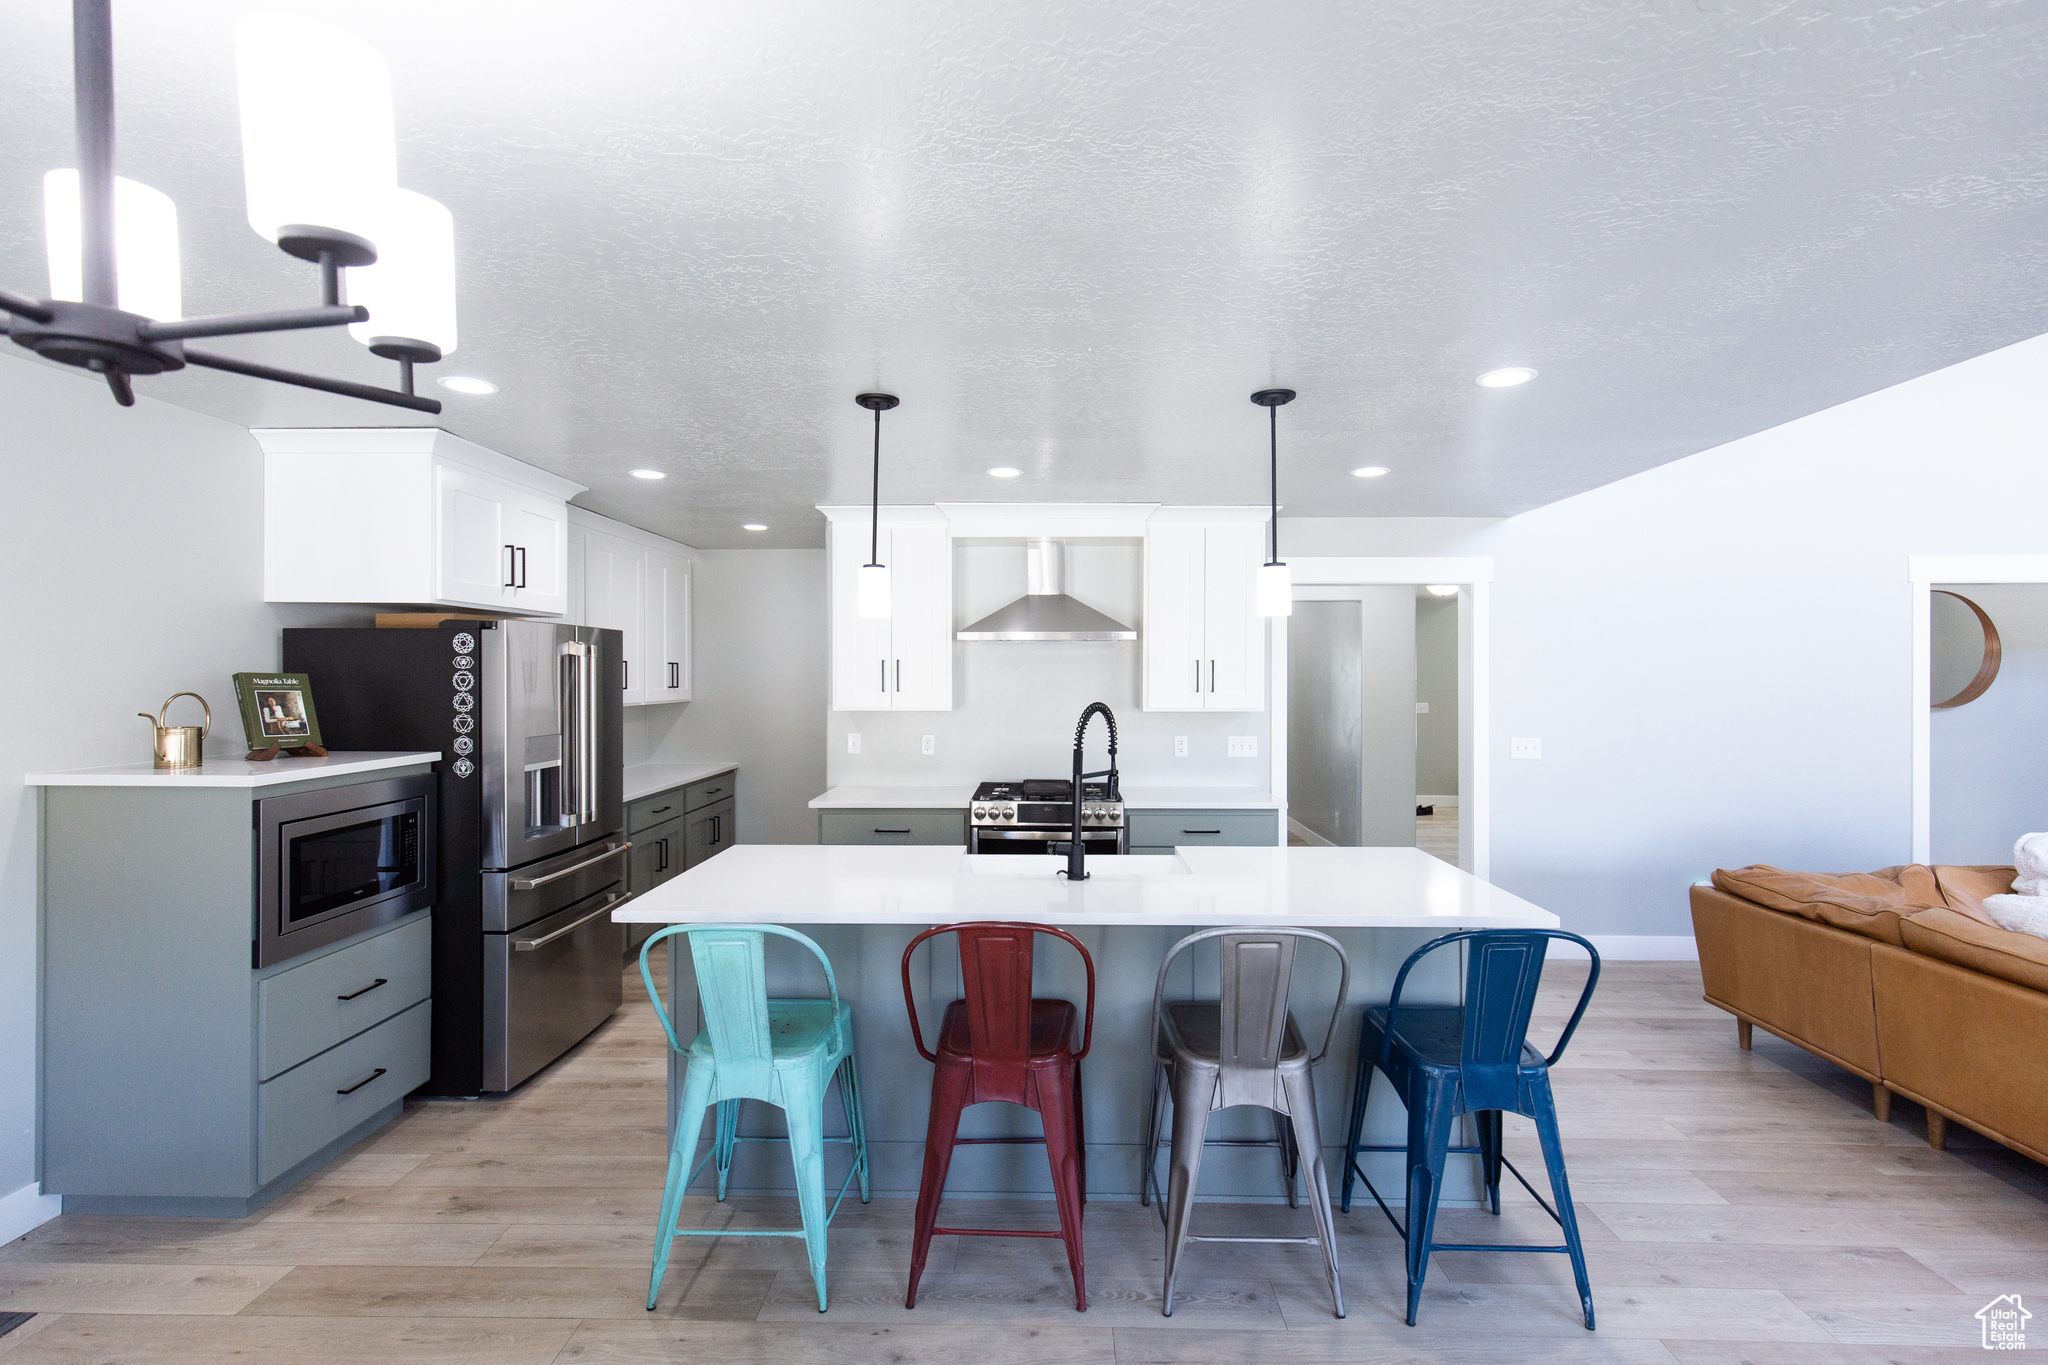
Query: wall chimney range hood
{"type": "Point", "coordinates": [1045, 612]}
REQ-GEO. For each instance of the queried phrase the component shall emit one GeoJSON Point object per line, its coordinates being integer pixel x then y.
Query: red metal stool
{"type": "Point", "coordinates": [1000, 1044]}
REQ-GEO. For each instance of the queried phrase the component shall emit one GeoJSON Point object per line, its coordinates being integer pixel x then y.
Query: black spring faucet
{"type": "Point", "coordinates": [1077, 863]}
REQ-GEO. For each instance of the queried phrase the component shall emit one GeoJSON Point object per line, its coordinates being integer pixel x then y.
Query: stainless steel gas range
{"type": "Point", "coordinates": [1033, 817]}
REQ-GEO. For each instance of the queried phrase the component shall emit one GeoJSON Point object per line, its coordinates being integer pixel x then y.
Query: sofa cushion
{"type": "Point", "coordinates": [1964, 888]}
{"type": "Point", "coordinates": [1867, 903]}
{"type": "Point", "coordinates": [1955, 937]}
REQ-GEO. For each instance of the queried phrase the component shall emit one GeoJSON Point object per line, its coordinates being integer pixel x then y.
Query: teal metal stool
{"type": "Point", "coordinates": [781, 1052]}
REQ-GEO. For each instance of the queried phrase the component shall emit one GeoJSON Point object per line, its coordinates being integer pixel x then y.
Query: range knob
{"type": "Point", "coordinates": [981, 812]}
{"type": "Point", "coordinates": [1009, 812]}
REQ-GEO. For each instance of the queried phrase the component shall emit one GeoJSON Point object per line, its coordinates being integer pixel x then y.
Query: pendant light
{"type": "Point", "coordinates": [410, 290]}
{"type": "Point", "coordinates": [145, 245]}
{"type": "Point", "coordinates": [871, 584]}
{"type": "Point", "coordinates": [1276, 585]}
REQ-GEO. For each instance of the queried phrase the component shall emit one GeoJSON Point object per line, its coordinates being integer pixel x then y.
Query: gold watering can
{"type": "Point", "coordinates": [179, 746]}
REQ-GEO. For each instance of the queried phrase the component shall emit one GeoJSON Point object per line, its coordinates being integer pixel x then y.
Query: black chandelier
{"type": "Point", "coordinates": [95, 334]}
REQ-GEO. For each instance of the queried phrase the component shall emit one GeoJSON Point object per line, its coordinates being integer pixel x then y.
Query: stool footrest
{"type": "Point", "coordinates": [1277, 1241]}
{"type": "Point", "coordinates": [963, 1142]}
{"type": "Point", "coordinates": [992, 1232]}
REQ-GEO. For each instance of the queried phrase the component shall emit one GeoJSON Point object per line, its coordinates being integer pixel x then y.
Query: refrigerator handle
{"type": "Point", "coordinates": [587, 764]}
{"type": "Point", "coordinates": [578, 727]}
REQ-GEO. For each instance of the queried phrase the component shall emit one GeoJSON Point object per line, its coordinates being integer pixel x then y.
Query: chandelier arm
{"type": "Point", "coordinates": [117, 381]}
{"type": "Point", "coordinates": [242, 324]}
{"type": "Point", "coordinates": [308, 381]}
{"type": "Point", "coordinates": [25, 308]}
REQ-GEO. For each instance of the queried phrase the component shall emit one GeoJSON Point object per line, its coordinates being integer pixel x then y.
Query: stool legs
{"type": "Point", "coordinates": [724, 1137]}
{"type": "Point", "coordinates": [1361, 1091]}
{"type": "Point", "coordinates": [1059, 1108]}
{"type": "Point", "coordinates": [682, 1153]}
{"type": "Point", "coordinates": [1561, 1190]}
{"type": "Point", "coordinates": [1429, 1141]}
{"type": "Point", "coordinates": [1155, 1126]}
{"type": "Point", "coordinates": [1192, 1092]}
{"type": "Point", "coordinates": [949, 1097]}
{"type": "Point", "coordinates": [1307, 1138]}
{"type": "Point", "coordinates": [806, 1120]}
{"type": "Point", "coordinates": [856, 1121]}
{"type": "Point", "coordinates": [1488, 1122]}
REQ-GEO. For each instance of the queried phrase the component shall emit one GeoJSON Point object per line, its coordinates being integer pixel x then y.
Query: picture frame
{"type": "Point", "coordinates": [278, 715]}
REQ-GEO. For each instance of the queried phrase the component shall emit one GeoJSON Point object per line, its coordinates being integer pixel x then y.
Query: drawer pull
{"type": "Point", "coordinates": [661, 810]}
{"type": "Point", "coordinates": [892, 831]}
{"type": "Point", "coordinates": [534, 883]}
{"type": "Point", "coordinates": [380, 981]}
{"type": "Point", "coordinates": [1201, 831]}
{"type": "Point", "coordinates": [527, 945]}
{"type": "Point", "coordinates": [363, 1082]}
{"type": "Point", "coordinates": [714, 791]}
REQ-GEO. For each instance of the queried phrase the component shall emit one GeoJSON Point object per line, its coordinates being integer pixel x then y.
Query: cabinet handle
{"type": "Point", "coordinates": [892, 831]}
{"type": "Point", "coordinates": [1201, 831]}
{"type": "Point", "coordinates": [675, 676]}
{"type": "Point", "coordinates": [713, 792]}
{"type": "Point", "coordinates": [661, 853]}
{"type": "Point", "coordinates": [1212, 675]}
{"type": "Point", "coordinates": [522, 566]}
{"type": "Point", "coordinates": [1198, 675]}
{"type": "Point", "coordinates": [885, 674]}
{"type": "Point", "coordinates": [626, 674]}
{"type": "Point", "coordinates": [899, 675]}
{"type": "Point", "coordinates": [511, 558]}
{"type": "Point", "coordinates": [661, 810]}
{"type": "Point", "coordinates": [363, 1082]}
{"type": "Point", "coordinates": [380, 981]}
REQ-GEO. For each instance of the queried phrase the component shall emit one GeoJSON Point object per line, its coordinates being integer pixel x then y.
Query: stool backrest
{"type": "Point", "coordinates": [995, 979]}
{"type": "Point", "coordinates": [1256, 976]}
{"type": "Point", "coordinates": [1502, 974]}
{"type": "Point", "coordinates": [732, 986]}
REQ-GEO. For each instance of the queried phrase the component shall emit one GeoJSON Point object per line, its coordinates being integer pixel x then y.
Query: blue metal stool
{"type": "Point", "coordinates": [1448, 1060]}
{"type": "Point", "coordinates": [782, 1052]}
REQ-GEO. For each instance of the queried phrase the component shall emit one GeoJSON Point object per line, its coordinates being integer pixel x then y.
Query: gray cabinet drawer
{"type": "Point", "coordinates": [657, 855]}
{"type": "Point", "coordinates": [723, 787]}
{"type": "Point", "coordinates": [303, 1110]}
{"type": "Point", "coordinates": [652, 810]}
{"type": "Point", "coordinates": [308, 1009]}
{"type": "Point", "coordinates": [1196, 828]}
{"type": "Point", "coordinates": [892, 826]}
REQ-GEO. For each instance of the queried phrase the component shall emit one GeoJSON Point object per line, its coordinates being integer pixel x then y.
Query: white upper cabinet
{"type": "Point", "coordinates": [903, 663]}
{"type": "Point", "coordinates": [629, 580]}
{"type": "Point", "coordinates": [1204, 643]}
{"type": "Point", "coordinates": [410, 516]}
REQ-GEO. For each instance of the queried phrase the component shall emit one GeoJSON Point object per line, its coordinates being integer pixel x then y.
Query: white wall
{"type": "Point", "coordinates": [1015, 704]}
{"type": "Point", "coordinates": [758, 694]}
{"type": "Point", "coordinates": [1989, 758]}
{"type": "Point", "coordinates": [1436, 683]}
{"type": "Point", "coordinates": [134, 541]}
{"type": "Point", "coordinates": [1717, 653]}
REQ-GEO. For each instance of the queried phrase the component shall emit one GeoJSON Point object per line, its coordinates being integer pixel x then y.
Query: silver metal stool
{"type": "Point", "coordinates": [1243, 1049]}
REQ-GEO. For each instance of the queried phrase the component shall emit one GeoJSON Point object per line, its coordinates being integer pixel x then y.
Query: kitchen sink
{"type": "Point", "coordinates": [1122, 866]}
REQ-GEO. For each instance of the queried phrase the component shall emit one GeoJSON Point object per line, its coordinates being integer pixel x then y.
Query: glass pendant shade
{"type": "Point", "coordinates": [145, 245]}
{"type": "Point", "coordinates": [1275, 590]}
{"type": "Point", "coordinates": [871, 592]}
{"type": "Point", "coordinates": [410, 291]}
{"type": "Point", "coordinates": [318, 145]}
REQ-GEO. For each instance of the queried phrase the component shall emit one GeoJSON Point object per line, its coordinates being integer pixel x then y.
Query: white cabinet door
{"type": "Point", "coordinates": [473, 560]}
{"type": "Point", "coordinates": [1233, 632]}
{"type": "Point", "coordinates": [668, 627]}
{"type": "Point", "coordinates": [613, 595]}
{"type": "Point", "coordinates": [920, 618]}
{"type": "Point", "coordinates": [537, 529]}
{"type": "Point", "coordinates": [1176, 662]}
{"type": "Point", "coordinates": [860, 647]}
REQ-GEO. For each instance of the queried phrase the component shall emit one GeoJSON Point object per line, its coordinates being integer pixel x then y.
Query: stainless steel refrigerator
{"type": "Point", "coordinates": [529, 720]}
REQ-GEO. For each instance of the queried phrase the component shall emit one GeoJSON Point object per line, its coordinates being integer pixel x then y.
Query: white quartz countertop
{"type": "Point", "coordinates": [1389, 888]}
{"type": "Point", "coordinates": [1136, 797]}
{"type": "Point", "coordinates": [234, 772]}
{"type": "Point", "coordinates": [645, 779]}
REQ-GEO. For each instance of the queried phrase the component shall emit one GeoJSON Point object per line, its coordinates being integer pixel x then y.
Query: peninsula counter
{"type": "Point", "coordinates": [864, 904]}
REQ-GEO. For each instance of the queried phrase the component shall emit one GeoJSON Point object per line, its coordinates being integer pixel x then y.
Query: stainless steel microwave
{"type": "Point", "coordinates": [339, 860]}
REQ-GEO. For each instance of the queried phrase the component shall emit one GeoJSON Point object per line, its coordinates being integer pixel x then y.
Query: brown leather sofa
{"type": "Point", "coordinates": [1897, 976]}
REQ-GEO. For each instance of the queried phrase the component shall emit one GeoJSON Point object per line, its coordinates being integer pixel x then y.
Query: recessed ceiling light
{"type": "Point", "coordinates": [648, 474]}
{"type": "Point", "coordinates": [1507, 378]}
{"type": "Point", "coordinates": [1371, 471]}
{"type": "Point", "coordinates": [753, 526]}
{"type": "Point", "coordinates": [1443, 589]}
{"type": "Point", "coordinates": [462, 383]}
{"type": "Point", "coordinates": [1003, 471]}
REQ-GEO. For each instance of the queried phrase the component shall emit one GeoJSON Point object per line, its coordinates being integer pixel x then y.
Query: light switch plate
{"type": "Point", "coordinates": [853, 743]}
{"type": "Point", "coordinates": [930, 745]}
{"type": "Point", "coordinates": [1525, 748]}
{"type": "Point", "coordinates": [1180, 746]}
{"type": "Point", "coordinates": [1422, 708]}
{"type": "Point", "coordinates": [1244, 746]}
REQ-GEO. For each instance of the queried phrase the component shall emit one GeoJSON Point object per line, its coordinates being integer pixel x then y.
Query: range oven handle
{"type": "Point", "coordinates": [534, 883]}
{"type": "Point", "coordinates": [527, 945]}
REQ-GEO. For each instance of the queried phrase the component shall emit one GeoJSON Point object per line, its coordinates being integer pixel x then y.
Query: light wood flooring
{"type": "Point", "coordinates": [1737, 1207]}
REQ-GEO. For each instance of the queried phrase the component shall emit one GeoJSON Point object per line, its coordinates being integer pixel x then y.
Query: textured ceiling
{"type": "Point", "coordinates": [1074, 236]}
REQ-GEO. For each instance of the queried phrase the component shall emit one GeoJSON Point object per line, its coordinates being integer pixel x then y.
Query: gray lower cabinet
{"type": "Point", "coordinates": [892, 826]}
{"type": "Point", "coordinates": [177, 1079]}
{"type": "Point", "coordinates": [1157, 831]}
{"type": "Point", "coordinates": [674, 830]}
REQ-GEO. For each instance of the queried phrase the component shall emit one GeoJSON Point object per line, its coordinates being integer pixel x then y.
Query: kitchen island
{"type": "Point", "coordinates": [864, 904]}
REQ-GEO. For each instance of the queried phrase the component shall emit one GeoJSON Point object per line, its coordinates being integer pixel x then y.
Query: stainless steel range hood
{"type": "Point", "coordinates": [1045, 612]}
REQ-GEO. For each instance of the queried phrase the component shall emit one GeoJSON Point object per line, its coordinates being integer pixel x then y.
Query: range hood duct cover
{"type": "Point", "coordinates": [1045, 612]}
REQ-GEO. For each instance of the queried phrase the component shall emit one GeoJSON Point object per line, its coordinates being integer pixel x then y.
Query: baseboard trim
{"type": "Point", "coordinates": [1450, 801]}
{"type": "Point", "coordinates": [1307, 835]}
{"type": "Point", "coordinates": [1633, 948]}
{"type": "Point", "coordinates": [27, 1209]}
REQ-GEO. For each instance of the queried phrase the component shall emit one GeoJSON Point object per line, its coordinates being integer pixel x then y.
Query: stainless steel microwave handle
{"type": "Point", "coordinates": [533, 883]}
{"type": "Point", "coordinates": [527, 945]}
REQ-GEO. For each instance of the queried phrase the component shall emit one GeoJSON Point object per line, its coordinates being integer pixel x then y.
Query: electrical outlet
{"type": "Point", "coordinates": [1525, 748]}
{"type": "Point", "coordinates": [1243, 746]}
{"type": "Point", "coordinates": [930, 745]}
{"type": "Point", "coordinates": [1180, 746]}
{"type": "Point", "coordinates": [853, 743]}
{"type": "Point", "coordinates": [1422, 708]}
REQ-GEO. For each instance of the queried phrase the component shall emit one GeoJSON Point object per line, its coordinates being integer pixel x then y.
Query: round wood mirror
{"type": "Point", "coordinates": [1965, 652]}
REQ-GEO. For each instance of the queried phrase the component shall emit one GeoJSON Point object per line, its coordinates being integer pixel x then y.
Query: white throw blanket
{"type": "Point", "coordinates": [2025, 911]}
